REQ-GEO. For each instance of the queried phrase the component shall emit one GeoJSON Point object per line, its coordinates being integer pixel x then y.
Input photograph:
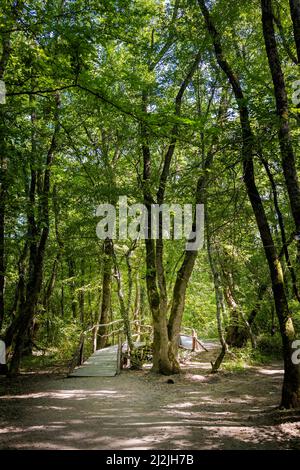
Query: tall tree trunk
{"type": "Point", "coordinates": [285, 141]}
{"type": "Point", "coordinates": [164, 359]}
{"type": "Point", "coordinates": [37, 247]}
{"type": "Point", "coordinates": [295, 14]}
{"type": "Point", "coordinates": [186, 269]}
{"type": "Point", "coordinates": [291, 384]}
{"type": "Point", "coordinates": [161, 361]}
{"type": "Point", "coordinates": [6, 49]}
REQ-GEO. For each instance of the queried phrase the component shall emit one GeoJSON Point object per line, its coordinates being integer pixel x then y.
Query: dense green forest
{"type": "Point", "coordinates": [164, 102]}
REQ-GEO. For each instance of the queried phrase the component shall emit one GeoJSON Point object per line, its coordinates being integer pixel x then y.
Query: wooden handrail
{"type": "Point", "coordinates": [111, 333]}
{"type": "Point", "coordinates": [117, 321]}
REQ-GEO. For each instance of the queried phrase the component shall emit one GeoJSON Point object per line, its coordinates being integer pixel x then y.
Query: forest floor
{"type": "Point", "coordinates": [138, 410]}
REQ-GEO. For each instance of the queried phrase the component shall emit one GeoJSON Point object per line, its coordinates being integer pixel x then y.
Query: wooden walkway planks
{"type": "Point", "coordinates": [103, 363]}
{"type": "Point", "coordinates": [106, 362]}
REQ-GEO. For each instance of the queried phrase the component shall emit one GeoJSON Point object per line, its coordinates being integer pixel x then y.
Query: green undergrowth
{"type": "Point", "coordinates": [268, 350]}
{"type": "Point", "coordinates": [49, 359]}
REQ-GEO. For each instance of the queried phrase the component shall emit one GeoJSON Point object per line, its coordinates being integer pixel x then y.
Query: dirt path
{"type": "Point", "coordinates": [139, 411]}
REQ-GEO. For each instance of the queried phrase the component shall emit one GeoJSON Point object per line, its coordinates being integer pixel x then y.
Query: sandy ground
{"type": "Point", "coordinates": [138, 410]}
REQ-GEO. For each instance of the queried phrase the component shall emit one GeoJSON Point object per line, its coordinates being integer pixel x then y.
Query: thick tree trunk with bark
{"type": "Point", "coordinates": [285, 141]}
{"type": "Point", "coordinates": [291, 384]}
{"type": "Point", "coordinates": [161, 361]}
{"type": "Point", "coordinates": [295, 14]}
{"type": "Point", "coordinates": [165, 333]}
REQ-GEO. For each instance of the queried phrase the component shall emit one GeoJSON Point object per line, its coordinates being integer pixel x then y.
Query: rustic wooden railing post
{"type": "Point", "coordinates": [194, 338]}
{"type": "Point", "coordinates": [119, 357]}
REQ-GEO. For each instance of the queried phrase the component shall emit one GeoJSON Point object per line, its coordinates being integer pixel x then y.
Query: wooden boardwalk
{"type": "Point", "coordinates": [103, 363]}
{"type": "Point", "coordinates": [106, 362]}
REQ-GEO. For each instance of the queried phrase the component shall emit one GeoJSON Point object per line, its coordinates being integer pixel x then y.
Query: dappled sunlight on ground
{"type": "Point", "coordinates": [66, 394]}
{"type": "Point", "coordinates": [270, 371]}
{"type": "Point", "coordinates": [138, 410]}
